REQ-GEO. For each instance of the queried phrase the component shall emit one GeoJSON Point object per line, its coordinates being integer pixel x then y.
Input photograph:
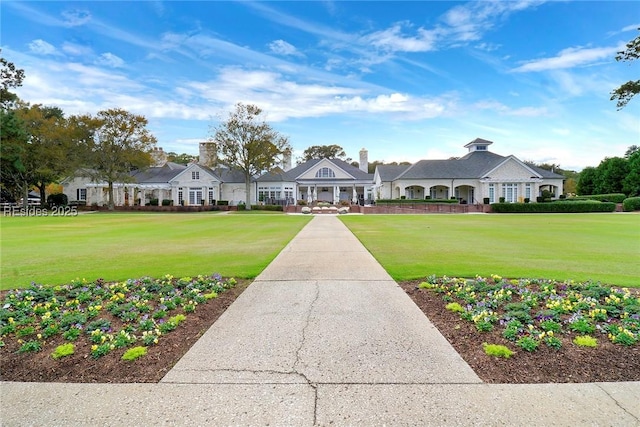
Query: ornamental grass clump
{"type": "Point", "coordinates": [63, 350]}
{"type": "Point", "coordinates": [534, 312]}
{"type": "Point", "coordinates": [102, 316]}
{"type": "Point", "coordinates": [134, 353]}
{"type": "Point", "coordinates": [497, 350]}
{"type": "Point", "coordinates": [585, 341]}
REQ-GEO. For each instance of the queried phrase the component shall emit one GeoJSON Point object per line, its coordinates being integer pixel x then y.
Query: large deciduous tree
{"type": "Point", "coordinates": [49, 151]}
{"type": "Point", "coordinates": [121, 144]}
{"type": "Point", "coordinates": [628, 90]}
{"type": "Point", "coordinates": [249, 144]}
{"type": "Point", "coordinates": [324, 152]}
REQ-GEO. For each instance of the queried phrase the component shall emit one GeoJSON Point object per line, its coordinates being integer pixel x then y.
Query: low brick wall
{"type": "Point", "coordinates": [407, 209]}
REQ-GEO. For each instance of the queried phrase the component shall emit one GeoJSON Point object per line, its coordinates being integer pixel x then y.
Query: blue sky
{"type": "Point", "coordinates": [406, 80]}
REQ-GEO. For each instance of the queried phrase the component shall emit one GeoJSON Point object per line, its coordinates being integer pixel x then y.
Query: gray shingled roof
{"type": "Point", "coordinates": [350, 169]}
{"type": "Point", "coordinates": [162, 174]}
{"type": "Point", "coordinates": [228, 175]}
{"type": "Point", "coordinates": [276, 175]}
{"type": "Point", "coordinates": [390, 172]}
{"type": "Point", "coordinates": [474, 165]}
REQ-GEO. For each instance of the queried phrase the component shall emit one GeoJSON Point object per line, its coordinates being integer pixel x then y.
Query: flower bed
{"type": "Point", "coordinates": [110, 315]}
{"type": "Point", "coordinates": [530, 313]}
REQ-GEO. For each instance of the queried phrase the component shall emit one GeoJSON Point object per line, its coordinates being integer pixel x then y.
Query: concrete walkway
{"type": "Point", "coordinates": [322, 337]}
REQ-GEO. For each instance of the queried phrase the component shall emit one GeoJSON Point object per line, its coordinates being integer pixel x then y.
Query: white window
{"type": "Point", "coordinates": [510, 192]}
{"type": "Point", "coordinates": [527, 191]}
{"type": "Point", "coordinates": [325, 173]}
{"type": "Point", "coordinates": [211, 196]}
{"type": "Point", "coordinates": [195, 175]}
{"type": "Point", "coordinates": [81, 194]}
{"type": "Point", "coordinates": [180, 196]}
{"type": "Point", "coordinates": [492, 193]}
{"type": "Point", "coordinates": [195, 196]}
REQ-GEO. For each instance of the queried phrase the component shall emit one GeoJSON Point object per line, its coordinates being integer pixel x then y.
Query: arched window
{"type": "Point", "coordinates": [325, 173]}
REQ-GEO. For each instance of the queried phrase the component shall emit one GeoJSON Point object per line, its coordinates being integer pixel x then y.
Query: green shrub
{"type": "Point", "coordinates": [631, 204]}
{"type": "Point", "coordinates": [273, 208]}
{"type": "Point", "coordinates": [554, 207]}
{"type": "Point", "coordinates": [613, 197]}
{"type": "Point", "coordinates": [167, 202]}
{"type": "Point", "coordinates": [58, 199]}
{"type": "Point", "coordinates": [585, 341]}
{"type": "Point", "coordinates": [63, 350]}
{"type": "Point", "coordinates": [497, 350]}
{"type": "Point", "coordinates": [455, 307]}
{"type": "Point", "coordinates": [153, 202]}
{"type": "Point", "coordinates": [134, 353]}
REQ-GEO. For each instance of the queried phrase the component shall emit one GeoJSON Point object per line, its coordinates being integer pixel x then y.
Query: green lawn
{"type": "Point", "coordinates": [117, 246]}
{"type": "Point", "coordinates": [601, 247]}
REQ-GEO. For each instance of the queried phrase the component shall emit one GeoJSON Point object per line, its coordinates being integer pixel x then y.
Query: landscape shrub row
{"type": "Point", "coordinates": [554, 207]}
{"type": "Point", "coordinates": [613, 197]}
{"type": "Point", "coordinates": [631, 204]}
{"type": "Point", "coordinates": [275, 208]}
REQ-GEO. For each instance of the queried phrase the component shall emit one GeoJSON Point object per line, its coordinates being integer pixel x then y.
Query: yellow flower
{"type": "Point", "coordinates": [94, 347]}
{"type": "Point", "coordinates": [550, 333]}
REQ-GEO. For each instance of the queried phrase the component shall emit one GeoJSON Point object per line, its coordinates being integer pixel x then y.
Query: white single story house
{"type": "Point", "coordinates": [479, 174]}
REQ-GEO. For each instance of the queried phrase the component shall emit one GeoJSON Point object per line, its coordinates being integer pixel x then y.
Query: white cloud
{"type": "Point", "coordinates": [508, 111]}
{"type": "Point", "coordinates": [570, 58]}
{"type": "Point", "coordinates": [75, 18]}
{"type": "Point", "coordinates": [76, 49]}
{"type": "Point", "coordinates": [393, 39]}
{"type": "Point", "coordinates": [281, 47]}
{"type": "Point", "coordinates": [41, 47]}
{"type": "Point", "coordinates": [110, 60]}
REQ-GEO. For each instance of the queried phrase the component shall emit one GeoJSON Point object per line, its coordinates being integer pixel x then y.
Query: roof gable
{"type": "Point", "coordinates": [512, 167]}
{"type": "Point", "coordinates": [186, 173]}
{"type": "Point", "coordinates": [342, 169]}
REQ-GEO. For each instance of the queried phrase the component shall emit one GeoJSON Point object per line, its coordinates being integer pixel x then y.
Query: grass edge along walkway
{"type": "Point", "coordinates": [117, 246]}
{"type": "Point", "coordinates": [581, 247]}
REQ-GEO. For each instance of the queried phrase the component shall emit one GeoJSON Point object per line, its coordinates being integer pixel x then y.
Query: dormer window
{"type": "Point", "coordinates": [325, 173]}
{"type": "Point", "coordinates": [195, 175]}
{"type": "Point", "coordinates": [481, 148]}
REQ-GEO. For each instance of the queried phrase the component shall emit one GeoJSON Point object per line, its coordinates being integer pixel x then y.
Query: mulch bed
{"type": "Point", "coordinates": [570, 364]}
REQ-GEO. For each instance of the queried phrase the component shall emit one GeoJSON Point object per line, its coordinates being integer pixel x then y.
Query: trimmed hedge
{"type": "Point", "coordinates": [266, 208]}
{"type": "Point", "coordinates": [631, 204]}
{"type": "Point", "coordinates": [554, 207]}
{"type": "Point", "coordinates": [613, 197]}
{"type": "Point", "coordinates": [413, 201]}
{"type": "Point", "coordinates": [57, 199]}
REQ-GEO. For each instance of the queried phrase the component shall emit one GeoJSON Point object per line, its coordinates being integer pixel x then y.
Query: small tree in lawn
{"type": "Point", "coordinates": [249, 144]}
{"type": "Point", "coordinates": [121, 144]}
